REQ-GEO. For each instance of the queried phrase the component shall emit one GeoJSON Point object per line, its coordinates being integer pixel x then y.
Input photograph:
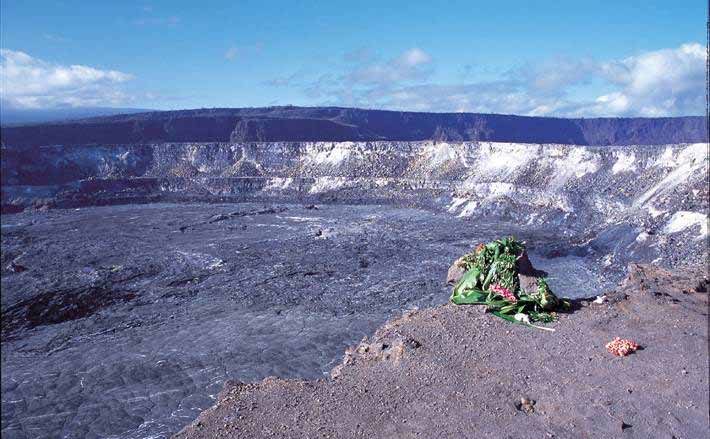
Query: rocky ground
{"type": "Point", "coordinates": [452, 372]}
{"type": "Point", "coordinates": [124, 321]}
{"type": "Point", "coordinates": [642, 202]}
{"type": "Point", "coordinates": [215, 258]}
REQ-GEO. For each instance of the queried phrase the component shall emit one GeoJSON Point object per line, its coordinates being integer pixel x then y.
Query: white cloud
{"type": "Point", "coordinates": [414, 57]}
{"type": "Point", "coordinates": [666, 82]}
{"type": "Point", "coordinates": [411, 65]}
{"type": "Point", "coordinates": [658, 83]}
{"type": "Point", "coordinates": [27, 82]}
{"type": "Point", "coordinates": [554, 76]}
{"type": "Point", "coordinates": [231, 53]}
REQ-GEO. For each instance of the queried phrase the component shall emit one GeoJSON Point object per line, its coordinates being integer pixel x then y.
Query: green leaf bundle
{"type": "Point", "coordinates": [491, 279]}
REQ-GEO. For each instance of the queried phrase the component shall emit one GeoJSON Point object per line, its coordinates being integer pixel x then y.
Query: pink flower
{"type": "Point", "coordinates": [504, 292]}
{"type": "Point", "coordinates": [621, 347]}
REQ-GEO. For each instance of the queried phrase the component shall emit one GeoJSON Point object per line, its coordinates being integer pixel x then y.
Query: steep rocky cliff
{"type": "Point", "coordinates": [630, 192]}
{"type": "Point", "coordinates": [276, 124]}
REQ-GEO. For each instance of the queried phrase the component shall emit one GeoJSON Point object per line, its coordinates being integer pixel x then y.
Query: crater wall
{"type": "Point", "coordinates": [636, 191]}
{"type": "Point", "coordinates": [273, 124]}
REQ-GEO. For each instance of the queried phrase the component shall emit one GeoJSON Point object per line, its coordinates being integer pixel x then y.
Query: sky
{"type": "Point", "coordinates": [553, 58]}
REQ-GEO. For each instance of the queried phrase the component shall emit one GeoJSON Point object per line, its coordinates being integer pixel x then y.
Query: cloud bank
{"type": "Point", "coordinates": [667, 82]}
{"type": "Point", "coordinates": [27, 82]}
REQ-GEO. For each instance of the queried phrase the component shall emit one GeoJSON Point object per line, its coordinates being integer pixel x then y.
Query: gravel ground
{"type": "Point", "coordinates": [452, 372]}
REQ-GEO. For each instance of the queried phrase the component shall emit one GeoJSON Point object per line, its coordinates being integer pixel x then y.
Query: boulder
{"type": "Point", "coordinates": [527, 274]}
{"type": "Point", "coordinates": [455, 272]}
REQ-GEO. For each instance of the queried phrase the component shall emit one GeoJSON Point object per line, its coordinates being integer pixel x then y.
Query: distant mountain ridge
{"type": "Point", "coordinates": [280, 124]}
{"type": "Point", "coordinates": [15, 116]}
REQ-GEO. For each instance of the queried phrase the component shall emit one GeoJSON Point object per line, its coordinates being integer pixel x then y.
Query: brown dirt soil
{"type": "Point", "coordinates": [452, 372]}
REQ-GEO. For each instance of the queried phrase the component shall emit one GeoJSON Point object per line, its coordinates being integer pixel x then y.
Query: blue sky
{"type": "Point", "coordinates": [564, 58]}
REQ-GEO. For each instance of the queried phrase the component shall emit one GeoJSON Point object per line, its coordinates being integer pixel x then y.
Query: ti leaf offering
{"type": "Point", "coordinates": [492, 274]}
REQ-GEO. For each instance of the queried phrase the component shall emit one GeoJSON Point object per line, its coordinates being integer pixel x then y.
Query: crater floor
{"type": "Point", "coordinates": [125, 321]}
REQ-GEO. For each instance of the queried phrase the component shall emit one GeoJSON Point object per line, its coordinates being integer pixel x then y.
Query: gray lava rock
{"type": "Point", "coordinates": [16, 268]}
{"type": "Point", "coordinates": [527, 274]}
{"type": "Point", "coordinates": [454, 274]}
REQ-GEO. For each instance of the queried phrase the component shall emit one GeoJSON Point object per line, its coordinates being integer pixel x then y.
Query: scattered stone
{"type": "Point", "coordinates": [217, 218]}
{"type": "Point", "coordinates": [527, 274]}
{"type": "Point", "coordinates": [412, 343]}
{"type": "Point", "coordinates": [16, 268]}
{"type": "Point", "coordinates": [455, 273]}
{"type": "Point", "coordinates": [600, 300]}
{"type": "Point", "coordinates": [526, 405]}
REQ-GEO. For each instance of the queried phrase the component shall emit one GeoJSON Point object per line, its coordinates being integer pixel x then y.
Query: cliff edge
{"type": "Point", "coordinates": [330, 124]}
{"type": "Point", "coordinates": [457, 372]}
